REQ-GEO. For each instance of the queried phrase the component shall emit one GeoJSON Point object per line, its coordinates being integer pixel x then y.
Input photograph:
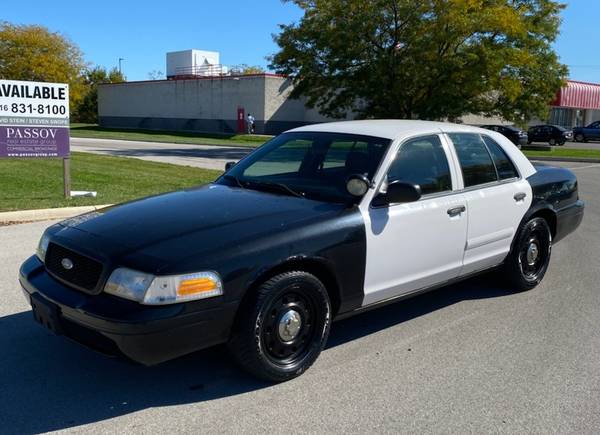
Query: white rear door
{"type": "Point", "coordinates": [497, 199]}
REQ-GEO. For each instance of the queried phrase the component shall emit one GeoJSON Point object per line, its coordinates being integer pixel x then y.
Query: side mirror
{"type": "Point", "coordinates": [398, 192]}
{"type": "Point", "coordinates": [229, 165]}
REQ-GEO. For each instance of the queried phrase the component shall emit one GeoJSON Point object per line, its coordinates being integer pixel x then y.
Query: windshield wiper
{"type": "Point", "coordinates": [234, 178]}
{"type": "Point", "coordinates": [280, 186]}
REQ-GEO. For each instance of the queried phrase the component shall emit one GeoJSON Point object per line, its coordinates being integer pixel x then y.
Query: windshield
{"type": "Point", "coordinates": [311, 165]}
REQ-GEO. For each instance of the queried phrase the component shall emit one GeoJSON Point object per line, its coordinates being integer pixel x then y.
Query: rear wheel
{"type": "Point", "coordinates": [282, 329]}
{"type": "Point", "coordinates": [529, 258]}
{"type": "Point", "coordinates": [552, 141]}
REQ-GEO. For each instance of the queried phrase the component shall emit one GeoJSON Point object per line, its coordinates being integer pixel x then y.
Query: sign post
{"type": "Point", "coordinates": [34, 122]}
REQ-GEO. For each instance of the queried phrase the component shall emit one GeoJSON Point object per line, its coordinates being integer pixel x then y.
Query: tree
{"type": "Point", "coordinates": [245, 70]}
{"type": "Point", "coordinates": [87, 109]}
{"type": "Point", "coordinates": [34, 53]}
{"type": "Point", "coordinates": [428, 59]}
{"type": "Point", "coordinates": [155, 75]}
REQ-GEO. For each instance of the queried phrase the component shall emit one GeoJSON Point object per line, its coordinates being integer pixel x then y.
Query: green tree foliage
{"type": "Point", "coordinates": [428, 59]}
{"type": "Point", "coordinates": [244, 69]}
{"type": "Point", "coordinates": [156, 74]}
{"type": "Point", "coordinates": [34, 53]}
{"type": "Point", "coordinates": [87, 109]}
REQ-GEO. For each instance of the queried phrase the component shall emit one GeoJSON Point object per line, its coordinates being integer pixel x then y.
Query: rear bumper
{"type": "Point", "coordinates": [568, 219]}
{"type": "Point", "coordinates": [111, 325]}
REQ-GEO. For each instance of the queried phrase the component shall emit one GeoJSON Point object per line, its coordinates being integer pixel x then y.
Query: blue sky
{"type": "Point", "coordinates": [142, 32]}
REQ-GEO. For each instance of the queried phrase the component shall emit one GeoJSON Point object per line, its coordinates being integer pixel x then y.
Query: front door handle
{"type": "Point", "coordinates": [455, 211]}
{"type": "Point", "coordinates": [520, 196]}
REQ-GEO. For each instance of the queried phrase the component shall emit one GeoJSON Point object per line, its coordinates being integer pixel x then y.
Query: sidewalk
{"type": "Point", "coordinates": [20, 216]}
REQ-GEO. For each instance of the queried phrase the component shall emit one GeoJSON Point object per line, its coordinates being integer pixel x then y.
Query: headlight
{"type": "Point", "coordinates": [159, 290]}
{"type": "Point", "coordinates": [43, 246]}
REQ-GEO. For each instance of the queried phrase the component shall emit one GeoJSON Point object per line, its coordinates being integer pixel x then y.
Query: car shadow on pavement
{"type": "Point", "coordinates": [48, 383]}
{"type": "Point", "coordinates": [480, 287]}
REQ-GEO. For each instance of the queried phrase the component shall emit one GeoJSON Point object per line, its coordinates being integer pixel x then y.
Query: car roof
{"type": "Point", "coordinates": [510, 127]}
{"type": "Point", "coordinates": [388, 128]}
{"type": "Point", "coordinates": [547, 125]}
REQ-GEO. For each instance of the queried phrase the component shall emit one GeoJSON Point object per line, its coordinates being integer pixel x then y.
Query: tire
{"type": "Point", "coordinates": [525, 266]}
{"type": "Point", "coordinates": [561, 143]}
{"type": "Point", "coordinates": [263, 345]}
{"type": "Point", "coordinates": [580, 137]}
{"type": "Point", "coordinates": [552, 142]}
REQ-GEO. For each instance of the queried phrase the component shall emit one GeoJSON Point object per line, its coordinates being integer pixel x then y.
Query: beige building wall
{"type": "Point", "coordinates": [196, 104]}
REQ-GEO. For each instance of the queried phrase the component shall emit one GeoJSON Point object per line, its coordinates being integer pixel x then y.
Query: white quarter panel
{"type": "Point", "coordinates": [411, 246]}
{"type": "Point", "coordinates": [494, 218]}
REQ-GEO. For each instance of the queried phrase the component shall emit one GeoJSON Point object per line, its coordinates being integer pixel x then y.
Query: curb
{"type": "Point", "coordinates": [47, 213]}
{"type": "Point", "coordinates": [565, 159]}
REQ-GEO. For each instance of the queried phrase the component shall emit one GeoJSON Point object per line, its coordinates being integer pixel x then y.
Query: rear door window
{"type": "Point", "coordinates": [475, 160]}
{"type": "Point", "coordinates": [505, 167]}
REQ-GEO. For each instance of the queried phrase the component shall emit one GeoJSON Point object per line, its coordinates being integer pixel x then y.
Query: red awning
{"type": "Point", "coordinates": [579, 95]}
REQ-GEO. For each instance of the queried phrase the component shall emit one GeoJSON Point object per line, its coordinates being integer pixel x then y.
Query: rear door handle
{"type": "Point", "coordinates": [455, 211]}
{"type": "Point", "coordinates": [520, 196]}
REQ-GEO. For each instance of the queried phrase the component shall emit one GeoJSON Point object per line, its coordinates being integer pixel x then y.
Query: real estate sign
{"type": "Point", "coordinates": [34, 119]}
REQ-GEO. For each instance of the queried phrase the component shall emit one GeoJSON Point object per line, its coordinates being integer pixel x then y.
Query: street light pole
{"type": "Point", "coordinates": [120, 70]}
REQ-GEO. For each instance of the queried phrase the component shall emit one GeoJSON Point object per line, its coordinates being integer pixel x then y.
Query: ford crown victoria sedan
{"type": "Point", "coordinates": [320, 223]}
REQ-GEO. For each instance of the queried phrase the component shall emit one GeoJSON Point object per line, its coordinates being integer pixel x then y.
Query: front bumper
{"type": "Point", "coordinates": [111, 325]}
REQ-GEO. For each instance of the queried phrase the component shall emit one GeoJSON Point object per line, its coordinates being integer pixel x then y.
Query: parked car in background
{"type": "Point", "coordinates": [553, 134]}
{"type": "Point", "coordinates": [591, 132]}
{"type": "Point", "coordinates": [515, 134]}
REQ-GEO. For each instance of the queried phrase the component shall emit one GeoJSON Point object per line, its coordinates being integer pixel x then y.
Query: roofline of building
{"type": "Point", "coordinates": [230, 77]}
{"type": "Point", "coordinates": [582, 82]}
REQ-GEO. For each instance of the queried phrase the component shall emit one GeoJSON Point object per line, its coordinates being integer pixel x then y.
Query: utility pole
{"type": "Point", "coordinates": [120, 70]}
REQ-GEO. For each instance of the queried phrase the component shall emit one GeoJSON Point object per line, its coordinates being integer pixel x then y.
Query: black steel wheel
{"type": "Point", "coordinates": [529, 258]}
{"type": "Point", "coordinates": [282, 328]}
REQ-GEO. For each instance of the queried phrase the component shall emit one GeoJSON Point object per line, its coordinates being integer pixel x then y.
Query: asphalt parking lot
{"type": "Point", "coordinates": [200, 156]}
{"type": "Point", "coordinates": [468, 358]}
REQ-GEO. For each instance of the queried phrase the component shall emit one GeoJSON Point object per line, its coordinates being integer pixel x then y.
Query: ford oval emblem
{"type": "Point", "coordinates": [67, 263]}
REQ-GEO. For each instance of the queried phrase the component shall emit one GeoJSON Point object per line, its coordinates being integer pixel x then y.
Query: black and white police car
{"type": "Point", "coordinates": [321, 222]}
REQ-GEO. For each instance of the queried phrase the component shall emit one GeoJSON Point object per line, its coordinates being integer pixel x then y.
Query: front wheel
{"type": "Point", "coordinates": [283, 327]}
{"type": "Point", "coordinates": [580, 137]}
{"type": "Point", "coordinates": [529, 258]}
{"type": "Point", "coordinates": [552, 141]}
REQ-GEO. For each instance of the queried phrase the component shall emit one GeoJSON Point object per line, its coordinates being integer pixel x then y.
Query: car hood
{"type": "Point", "coordinates": [197, 221]}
